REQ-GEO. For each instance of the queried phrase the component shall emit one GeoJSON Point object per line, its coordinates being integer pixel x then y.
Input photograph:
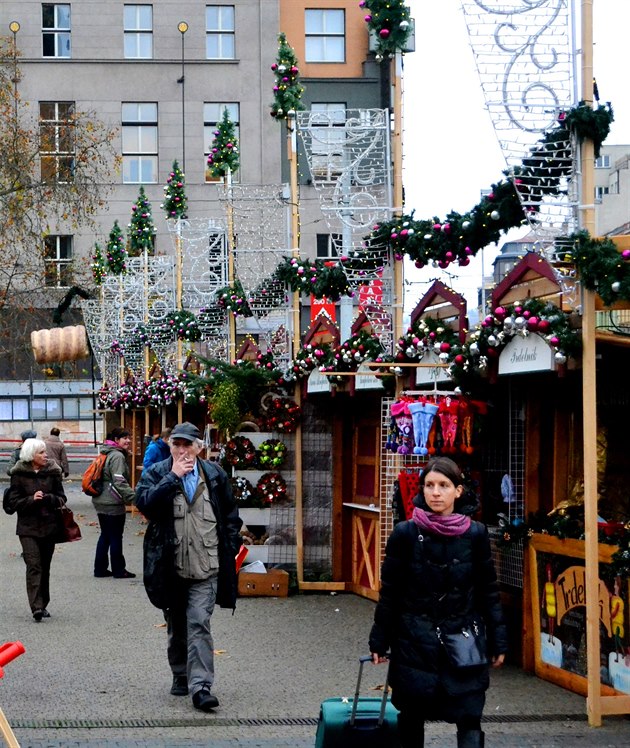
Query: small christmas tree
{"type": "Point", "coordinates": [175, 200]}
{"type": "Point", "coordinates": [223, 155]}
{"type": "Point", "coordinates": [99, 267]}
{"type": "Point", "coordinates": [141, 229]}
{"type": "Point", "coordinates": [287, 89]}
{"type": "Point", "coordinates": [116, 251]}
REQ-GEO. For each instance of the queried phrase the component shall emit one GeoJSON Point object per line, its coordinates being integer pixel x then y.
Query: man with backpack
{"type": "Point", "coordinates": [110, 504]}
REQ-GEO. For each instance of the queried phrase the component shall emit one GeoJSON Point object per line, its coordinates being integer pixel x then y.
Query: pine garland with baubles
{"type": "Point", "coordinates": [390, 23]}
{"type": "Point", "coordinates": [224, 156]}
{"type": "Point", "coordinates": [175, 201]}
{"type": "Point", "coordinates": [116, 251]}
{"type": "Point", "coordinates": [141, 229]}
{"type": "Point", "coordinates": [287, 88]}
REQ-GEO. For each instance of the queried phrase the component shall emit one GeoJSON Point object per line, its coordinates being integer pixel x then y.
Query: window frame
{"type": "Point", "coordinates": [210, 124]}
{"type": "Point", "coordinates": [223, 35]}
{"type": "Point", "coordinates": [324, 35]}
{"type": "Point", "coordinates": [137, 130]}
{"type": "Point", "coordinates": [58, 131]}
{"type": "Point", "coordinates": [138, 33]}
{"type": "Point", "coordinates": [603, 161]}
{"type": "Point", "coordinates": [57, 32]}
{"type": "Point", "coordinates": [325, 168]}
{"type": "Point", "coordinates": [62, 265]}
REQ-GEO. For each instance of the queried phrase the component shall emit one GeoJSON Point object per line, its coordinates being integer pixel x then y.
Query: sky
{"type": "Point", "coordinates": [450, 148]}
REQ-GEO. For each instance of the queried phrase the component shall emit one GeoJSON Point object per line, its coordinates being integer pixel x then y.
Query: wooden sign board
{"type": "Point", "coordinates": [526, 354]}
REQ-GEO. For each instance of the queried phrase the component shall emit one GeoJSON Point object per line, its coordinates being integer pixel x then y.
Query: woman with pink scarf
{"type": "Point", "coordinates": [437, 579]}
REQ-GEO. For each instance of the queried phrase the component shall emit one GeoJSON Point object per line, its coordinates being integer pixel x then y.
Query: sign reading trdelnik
{"type": "Point", "coordinates": [530, 353]}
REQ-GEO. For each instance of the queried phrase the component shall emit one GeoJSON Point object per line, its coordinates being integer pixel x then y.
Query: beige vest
{"type": "Point", "coordinates": [196, 539]}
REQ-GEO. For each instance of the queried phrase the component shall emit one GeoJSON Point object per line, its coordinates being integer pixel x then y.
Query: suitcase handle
{"type": "Point", "coordinates": [355, 703]}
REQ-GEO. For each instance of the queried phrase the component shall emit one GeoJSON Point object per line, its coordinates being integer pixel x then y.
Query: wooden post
{"type": "Point", "coordinates": [398, 186]}
{"type": "Point", "coordinates": [589, 394]}
{"type": "Point", "coordinates": [231, 269]}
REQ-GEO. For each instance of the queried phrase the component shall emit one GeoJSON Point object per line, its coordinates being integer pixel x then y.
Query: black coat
{"type": "Point", "coordinates": [429, 580]}
{"type": "Point", "coordinates": [36, 519]}
{"type": "Point", "coordinates": [154, 498]}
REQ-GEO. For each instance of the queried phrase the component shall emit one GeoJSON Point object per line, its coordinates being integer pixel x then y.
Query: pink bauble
{"type": "Point", "coordinates": [554, 340]}
{"type": "Point", "coordinates": [499, 312]}
{"type": "Point", "coordinates": [459, 359]}
{"type": "Point", "coordinates": [464, 261]}
{"type": "Point", "coordinates": [626, 254]}
{"type": "Point", "coordinates": [383, 33]}
{"type": "Point", "coordinates": [419, 264]}
{"type": "Point", "coordinates": [532, 323]}
{"type": "Point", "coordinates": [543, 325]}
{"type": "Point", "coordinates": [445, 347]}
{"type": "Point", "coordinates": [367, 18]}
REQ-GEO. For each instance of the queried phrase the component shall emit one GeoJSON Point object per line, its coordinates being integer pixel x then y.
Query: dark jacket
{"type": "Point", "coordinates": [37, 519]}
{"type": "Point", "coordinates": [156, 451]}
{"type": "Point", "coordinates": [429, 580]}
{"type": "Point", "coordinates": [154, 498]}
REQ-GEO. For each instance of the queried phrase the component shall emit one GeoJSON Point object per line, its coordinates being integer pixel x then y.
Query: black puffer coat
{"type": "Point", "coordinates": [426, 581]}
{"type": "Point", "coordinates": [154, 498]}
{"type": "Point", "coordinates": [36, 519]}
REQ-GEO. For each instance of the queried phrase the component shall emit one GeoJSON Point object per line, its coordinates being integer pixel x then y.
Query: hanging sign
{"type": "Point", "coordinates": [322, 305]}
{"type": "Point", "coordinates": [371, 293]}
{"type": "Point", "coordinates": [365, 379]}
{"type": "Point", "coordinates": [317, 382]}
{"type": "Point", "coordinates": [526, 354]}
{"type": "Point", "coordinates": [428, 375]}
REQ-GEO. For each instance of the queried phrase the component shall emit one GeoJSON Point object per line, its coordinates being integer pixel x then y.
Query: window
{"type": "Point", "coordinates": [326, 246]}
{"type": "Point", "coordinates": [603, 162]}
{"type": "Point", "coordinates": [140, 143]}
{"type": "Point", "coordinates": [328, 137]}
{"type": "Point", "coordinates": [138, 24]}
{"type": "Point", "coordinates": [57, 261]}
{"type": "Point", "coordinates": [55, 408]}
{"type": "Point", "coordinates": [56, 141]}
{"type": "Point", "coordinates": [212, 115]}
{"type": "Point", "coordinates": [325, 36]}
{"type": "Point", "coordinates": [56, 30]}
{"type": "Point", "coordinates": [220, 32]}
{"type": "Point", "coordinates": [13, 409]}
{"type": "Point", "coordinates": [600, 192]}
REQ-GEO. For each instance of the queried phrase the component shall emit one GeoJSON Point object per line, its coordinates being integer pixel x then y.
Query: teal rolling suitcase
{"type": "Point", "coordinates": [364, 721]}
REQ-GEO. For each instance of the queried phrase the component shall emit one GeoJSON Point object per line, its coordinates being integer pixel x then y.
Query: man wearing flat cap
{"type": "Point", "coordinates": [190, 547]}
{"type": "Point", "coordinates": [15, 455]}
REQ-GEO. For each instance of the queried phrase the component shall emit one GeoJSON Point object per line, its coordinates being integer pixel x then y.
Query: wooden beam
{"type": "Point", "coordinates": [322, 586]}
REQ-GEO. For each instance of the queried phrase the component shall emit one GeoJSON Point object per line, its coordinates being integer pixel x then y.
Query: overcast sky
{"type": "Point", "coordinates": [451, 151]}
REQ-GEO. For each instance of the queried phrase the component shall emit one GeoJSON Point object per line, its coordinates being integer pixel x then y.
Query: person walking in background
{"type": "Point", "coordinates": [56, 450]}
{"type": "Point", "coordinates": [157, 450]}
{"type": "Point", "coordinates": [35, 494]}
{"type": "Point", "coordinates": [15, 455]}
{"type": "Point", "coordinates": [189, 556]}
{"type": "Point", "coordinates": [111, 504]}
{"type": "Point", "coordinates": [438, 579]}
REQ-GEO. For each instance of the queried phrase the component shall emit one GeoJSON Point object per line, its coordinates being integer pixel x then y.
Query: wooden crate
{"type": "Point", "coordinates": [275, 583]}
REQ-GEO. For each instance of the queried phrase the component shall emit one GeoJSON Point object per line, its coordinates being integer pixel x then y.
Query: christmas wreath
{"type": "Point", "coordinates": [271, 488]}
{"type": "Point", "coordinates": [283, 415]}
{"type": "Point", "coordinates": [271, 453]}
{"type": "Point", "coordinates": [239, 452]}
{"type": "Point", "coordinates": [244, 493]}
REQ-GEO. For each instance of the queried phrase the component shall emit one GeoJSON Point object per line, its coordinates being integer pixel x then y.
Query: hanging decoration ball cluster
{"type": "Point", "coordinates": [271, 454]}
{"type": "Point", "coordinates": [224, 156]}
{"type": "Point", "coordinates": [426, 335]}
{"type": "Point", "coordinates": [183, 325]}
{"type": "Point", "coordinates": [175, 201]}
{"type": "Point", "coordinates": [272, 489]}
{"type": "Point", "coordinates": [390, 23]}
{"type": "Point", "coordinates": [287, 89]}
{"type": "Point", "coordinates": [239, 452]}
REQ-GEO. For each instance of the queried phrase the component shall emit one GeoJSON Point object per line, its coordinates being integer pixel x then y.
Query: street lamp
{"type": "Point", "coordinates": [182, 27]}
{"type": "Point", "coordinates": [14, 27]}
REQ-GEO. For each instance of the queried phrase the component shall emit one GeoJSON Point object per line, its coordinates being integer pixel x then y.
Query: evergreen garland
{"type": "Point", "coordinates": [223, 156]}
{"type": "Point", "coordinates": [426, 335]}
{"type": "Point", "coordinates": [389, 21]}
{"type": "Point", "coordinates": [323, 279]}
{"type": "Point", "coordinates": [589, 123]}
{"type": "Point", "coordinates": [141, 229]}
{"type": "Point", "coordinates": [233, 299]}
{"type": "Point", "coordinates": [116, 256]}
{"type": "Point", "coordinates": [183, 325]}
{"type": "Point", "coordinates": [175, 201]}
{"type": "Point", "coordinates": [287, 88]}
{"type": "Point", "coordinates": [600, 265]}
{"type": "Point", "coordinates": [99, 266]}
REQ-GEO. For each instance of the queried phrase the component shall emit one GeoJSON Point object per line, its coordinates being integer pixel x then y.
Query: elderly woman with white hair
{"type": "Point", "coordinates": [35, 495]}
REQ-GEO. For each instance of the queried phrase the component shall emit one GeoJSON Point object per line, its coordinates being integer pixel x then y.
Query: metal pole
{"type": "Point", "coordinates": [182, 27]}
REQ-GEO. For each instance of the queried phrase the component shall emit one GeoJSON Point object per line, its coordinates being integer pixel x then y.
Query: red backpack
{"type": "Point", "coordinates": [92, 482]}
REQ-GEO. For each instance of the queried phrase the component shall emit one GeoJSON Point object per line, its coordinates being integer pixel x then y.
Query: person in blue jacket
{"type": "Point", "coordinates": [157, 450]}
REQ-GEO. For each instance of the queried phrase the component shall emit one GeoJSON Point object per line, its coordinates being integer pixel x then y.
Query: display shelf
{"type": "Point", "coordinates": [255, 517]}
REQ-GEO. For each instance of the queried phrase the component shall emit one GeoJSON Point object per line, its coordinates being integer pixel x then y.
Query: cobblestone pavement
{"type": "Point", "coordinates": [95, 674]}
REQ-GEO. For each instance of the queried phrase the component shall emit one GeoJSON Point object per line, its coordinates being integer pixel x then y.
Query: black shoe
{"type": "Point", "coordinates": [204, 700]}
{"type": "Point", "coordinates": [180, 685]}
{"type": "Point", "coordinates": [106, 573]}
{"type": "Point", "coordinates": [45, 613]}
{"type": "Point", "coordinates": [38, 615]}
{"type": "Point", "coordinates": [125, 575]}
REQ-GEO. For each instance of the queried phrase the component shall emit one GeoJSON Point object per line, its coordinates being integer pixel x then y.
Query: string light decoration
{"type": "Point", "coordinates": [141, 230]}
{"type": "Point", "coordinates": [390, 23]}
{"type": "Point", "coordinates": [224, 155]}
{"type": "Point", "coordinates": [99, 266]}
{"type": "Point", "coordinates": [287, 88]}
{"type": "Point", "coordinates": [116, 253]}
{"type": "Point", "coordinates": [175, 201]}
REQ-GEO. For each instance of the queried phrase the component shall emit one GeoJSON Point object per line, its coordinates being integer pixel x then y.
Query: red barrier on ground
{"type": "Point", "coordinates": [8, 652]}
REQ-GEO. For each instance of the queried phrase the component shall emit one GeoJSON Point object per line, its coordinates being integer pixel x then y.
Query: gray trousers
{"type": "Point", "coordinates": [37, 553]}
{"type": "Point", "coordinates": [190, 646]}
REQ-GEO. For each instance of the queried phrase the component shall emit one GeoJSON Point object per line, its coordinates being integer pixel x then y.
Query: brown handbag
{"type": "Point", "coordinates": [69, 531]}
